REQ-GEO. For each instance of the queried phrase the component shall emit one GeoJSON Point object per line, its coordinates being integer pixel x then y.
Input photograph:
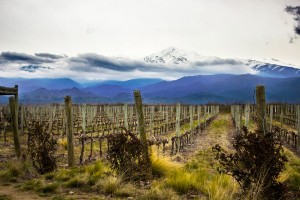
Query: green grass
{"type": "Point", "coordinates": [125, 190]}
{"type": "Point", "coordinates": [162, 166]}
{"type": "Point", "coordinates": [14, 170]}
{"type": "Point", "coordinates": [291, 174]}
{"type": "Point", "coordinates": [159, 194]}
{"type": "Point", "coordinates": [109, 185]}
{"type": "Point", "coordinates": [5, 197]}
{"type": "Point", "coordinates": [198, 175]}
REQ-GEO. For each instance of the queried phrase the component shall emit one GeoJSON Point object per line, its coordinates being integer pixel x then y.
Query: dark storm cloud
{"type": "Point", "coordinates": [13, 57]}
{"type": "Point", "coordinates": [33, 68]}
{"type": "Point", "coordinates": [48, 55]}
{"type": "Point", "coordinates": [295, 11]}
{"type": "Point", "coordinates": [218, 61]}
{"type": "Point", "coordinates": [92, 62]}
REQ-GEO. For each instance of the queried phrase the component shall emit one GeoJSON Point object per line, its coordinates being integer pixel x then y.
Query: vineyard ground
{"type": "Point", "coordinates": [196, 158]}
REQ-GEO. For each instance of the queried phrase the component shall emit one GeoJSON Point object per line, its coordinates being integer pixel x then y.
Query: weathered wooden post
{"type": "Point", "coordinates": [298, 127]}
{"type": "Point", "coordinates": [22, 119]}
{"type": "Point", "coordinates": [152, 109]}
{"type": "Point", "coordinates": [271, 116]}
{"type": "Point", "coordinates": [141, 123]}
{"type": "Point", "coordinates": [247, 115]}
{"type": "Point", "coordinates": [167, 119]}
{"type": "Point", "coordinates": [261, 108]}
{"type": "Point", "coordinates": [205, 109]}
{"type": "Point", "coordinates": [191, 117]}
{"type": "Point", "coordinates": [198, 117]}
{"type": "Point", "coordinates": [83, 114]}
{"type": "Point", "coordinates": [178, 125]}
{"type": "Point", "coordinates": [237, 117]}
{"type": "Point", "coordinates": [282, 108]}
{"type": "Point", "coordinates": [14, 120]}
{"type": "Point", "coordinates": [125, 116]}
{"type": "Point", "coordinates": [69, 129]}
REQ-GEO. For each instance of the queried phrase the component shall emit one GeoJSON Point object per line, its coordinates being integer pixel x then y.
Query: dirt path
{"type": "Point", "coordinates": [219, 131]}
{"type": "Point", "coordinates": [12, 193]}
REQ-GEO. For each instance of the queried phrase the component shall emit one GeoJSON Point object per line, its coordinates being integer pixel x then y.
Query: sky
{"type": "Point", "coordinates": [59, 35]}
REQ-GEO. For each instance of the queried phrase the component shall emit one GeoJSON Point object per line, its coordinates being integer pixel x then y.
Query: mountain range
{"type": "Point", "coordinates": [219, 88]}
{"type": "Point", "coordinates": [269, 68]}
{"type": "Point", "coordinates": [282, 83]}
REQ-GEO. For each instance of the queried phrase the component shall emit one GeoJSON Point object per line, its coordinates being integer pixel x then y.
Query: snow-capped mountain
{"type": "Point", "coordinates": [273, 70]}
{"type": "Point", "coordinates": [174, 56]}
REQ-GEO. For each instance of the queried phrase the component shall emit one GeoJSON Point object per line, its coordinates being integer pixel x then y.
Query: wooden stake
{"type": "Point", "coordinates": [298, 127]}
{"type": "Point", "coordinates": [247, 115]}
{"type": "Point", "coordinates": [271, 116]}
{"type": "Point", "coordinates": [178, 124]}
{"type": "Point", "coordinates": [14, 119]}
{"type": "Point", "coordinates": [191, 117]}
{"type": "Point", "coordinates": [125, 116]}
{"type": "Point", "coordinates": [69, 129]}
{"type": "Point", "coordinates": [261, 108]}
{"type": "Point", "coordinates": [140, 116]}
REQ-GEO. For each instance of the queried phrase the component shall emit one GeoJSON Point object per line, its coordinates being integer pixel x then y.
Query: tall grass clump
{"type": "Point", "coordinates": [16, 169]}
{"type": "Point", "coordinates": [162, 166]}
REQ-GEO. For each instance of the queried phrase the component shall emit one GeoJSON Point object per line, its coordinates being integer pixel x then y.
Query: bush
{"type": "Point", "coordinates": [126, 155]}
{"type": "Point", "coordinates": [41, 148]}
{"type": "Point", "coordinates": [256, 164]}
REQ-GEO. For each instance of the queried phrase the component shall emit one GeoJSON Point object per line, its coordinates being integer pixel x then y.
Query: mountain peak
{"type": "Point", "coordinates": [172, 55]}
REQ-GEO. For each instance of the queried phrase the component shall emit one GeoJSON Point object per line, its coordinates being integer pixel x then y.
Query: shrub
{"type": "Point", "coordinates": [41, 148]}
{"type": "Point", "coordinates": [126, 155]}
{"type": "Point", "coordinates": [256, 164]}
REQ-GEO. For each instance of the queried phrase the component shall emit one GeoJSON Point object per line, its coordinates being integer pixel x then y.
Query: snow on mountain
{"type": "Point", "coordinates": [270, 68]}
{"type": "Point", "coordinates": [176, 56]}
{"type": "Point", "coordinates": [273, 70]}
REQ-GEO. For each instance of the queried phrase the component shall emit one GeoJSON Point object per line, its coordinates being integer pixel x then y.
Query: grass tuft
{"type": "Point", "coordinates": [77, 181]}
{"type": "Point", "coordinates": [162, 166]}
{"type": "Point", "coordinates": [159, 194]}
{"type": "Point", "coordinates": [14, 170]}
{"type": "Point", "coordinates": [127, 190]}
{"type": "Point", "coordinates": [108, 185]}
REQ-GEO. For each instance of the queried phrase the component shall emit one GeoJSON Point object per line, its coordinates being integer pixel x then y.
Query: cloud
{"type": "Point", "coordinates": [13, 57]}
{"type": "Point", "coordinates": [218, 61]}
{"type": "Point", "coordinates": [93, 62]}
{"type": "Point", "coordinates": [33, 68]}
{"type": "Point", "coordinates": [48, 55]}
{"type": "Point", "coordinates": [295, 11]}
{"type": "Point", "coordinates": [94, 66]}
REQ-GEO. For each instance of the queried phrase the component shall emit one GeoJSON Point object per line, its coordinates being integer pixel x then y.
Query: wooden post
{"type": "Point", "coordinates": [261, 108]}
{"type": "Point", "coordinates": [125, 116]}
{"type": "Point", "coordinates": [22, 119]}
{"type": "Point", "coordinates": [298, 127]}
{"type": "Point", "coordinates": [247, 115]}
{"type": "Point", "coordinates": [167, 119]}
{"type": "Point", "coordinates": [282, 107]}
{"type": "Point", "coordinates": [178, 124]}
{"type": "Point", "coordinates": [205, 108]}
{"type": "Point", "coordinates": [271, 116]}
{"type": "Point", "coordinates": [69, 129]}
{"type": "Point", "coordinates": [238, 117]}
{"type": "Point", "coordinates": [152, 108]}
{"type": "Point", "coordinates": [140, 116]}
{"type": "Point", "coordinates": [191, 117]}
{"type": "Point", "coordinates": [198, 115]}
{"type": "Point", "coordinates": [83, 114]}
{"type": "Point", "coordinates": [14, 120]}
